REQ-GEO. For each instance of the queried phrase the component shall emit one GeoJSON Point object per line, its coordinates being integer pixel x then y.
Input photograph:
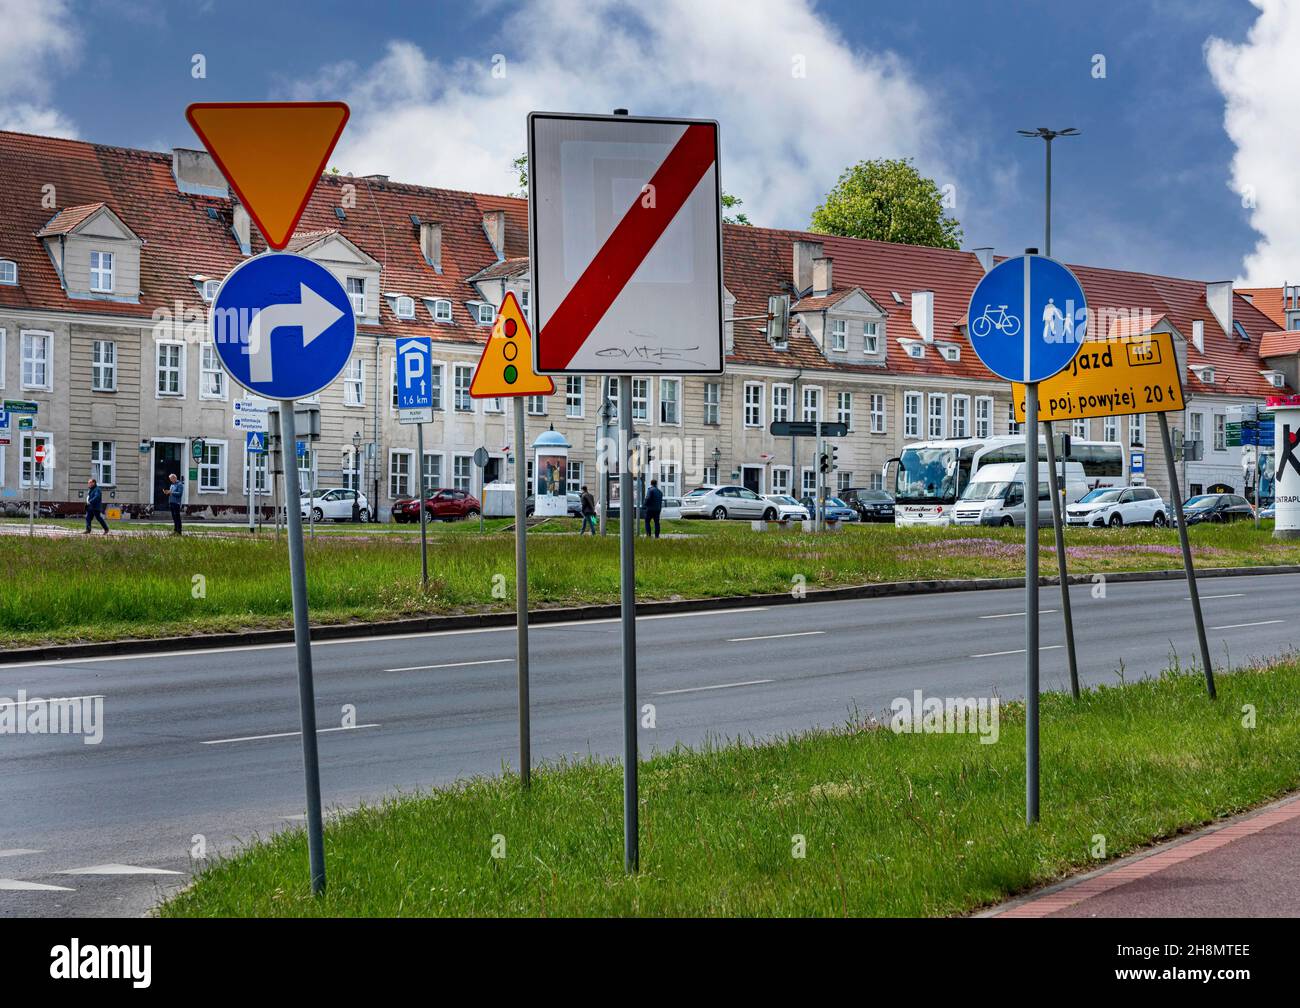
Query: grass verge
{"type": "Point", "coordinates": [908, 825]}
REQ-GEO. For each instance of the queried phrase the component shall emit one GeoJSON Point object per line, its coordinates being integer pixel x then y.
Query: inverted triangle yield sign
{"type": "Point", "coordinates": [271, 153]}
{"type": "Point", "coordinates": [506, 367]}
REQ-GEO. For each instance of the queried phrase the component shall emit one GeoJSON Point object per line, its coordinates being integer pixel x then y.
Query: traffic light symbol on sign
{"type": "Point", "coordinates": [824, 462]}
{"type": "Point", "coordinates": [506, 367]}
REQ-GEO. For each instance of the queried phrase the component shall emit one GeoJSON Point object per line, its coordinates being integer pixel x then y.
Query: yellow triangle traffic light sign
{"type": "Point", "coordinates": [271, 153]}
{"type": "Point", "coordinates": [506, 367]}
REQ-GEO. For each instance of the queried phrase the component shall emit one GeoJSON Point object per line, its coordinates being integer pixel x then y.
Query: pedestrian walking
{"type": "Point", "coordinates": [588, 512]}
{"type": "Point", "coordinates": [175, 490]}
{"type": "Point", "coordinates": [95, 506]}
{"type": "Point", "coordinates": [654, 505]}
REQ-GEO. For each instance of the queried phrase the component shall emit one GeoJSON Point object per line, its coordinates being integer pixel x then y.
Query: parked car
{"type": "Point", "coordinates": [835, 509]}
{"type": "Point", "coordinates": [1118, 506]}
{"type": "Point", "coordinates": [334, 504]}
{"type": "Point", "coordinates": [1217, 508]}
{"type": "Point", "coordinates": [573, 505]}
{"type": "Point", "coordinates": [441, 505]}
{"type": "Point", "coordinates": [1269, 511]}
{"type": "Point", "coordinates": [871, 505]}
{"type": "Point", "coordinates": [787, 508]}
{"type": "Point", "coordinates": [720, 502]}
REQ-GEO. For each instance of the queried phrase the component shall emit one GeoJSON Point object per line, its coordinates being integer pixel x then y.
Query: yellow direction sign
{"type": "Point", "coordinates": [506, 367]}
{"type": "Point", "coordinates": [1134, 374]}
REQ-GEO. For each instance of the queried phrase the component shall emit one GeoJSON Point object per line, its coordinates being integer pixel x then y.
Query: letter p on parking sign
{"type": "Point", "coordinates": [626, 245]}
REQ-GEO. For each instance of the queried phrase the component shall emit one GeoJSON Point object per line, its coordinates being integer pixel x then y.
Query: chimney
{"type": "Point", "coordinates": [195, 172]}
{"type": "Point", "coordinates": [1218, 295]}
{"type": "Point", "coordinates": [923, 314]}
{"type": "Point", "coordinates": [804, 254]}
{"type": "Point", "coordinates": [985, 256]}
{"type": "Point", "coordinates": [242, 228]}
{"type": "Point", "coordinates": [431, 244]}
{"type": "Point", "coordinates": [494, 224]}
{"type": "Point", "coordinates": [823, 278]}
{"type": "Point", "coordinates": [1198, 335]}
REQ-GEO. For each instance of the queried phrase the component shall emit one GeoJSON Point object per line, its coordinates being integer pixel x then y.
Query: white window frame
{"type": "Point", "coordinates": [159, 370]}
{"type": "Point", "coordinates": [462, 379]}
{"type": "Point", "coordinates": [404, 301]}
{"type": "Point", "coordinates": [839, 335]}
{"type": "Point", "coordinates": [441, 311]}
{"type": "Point", "coordinates": [208, 368]}
{"type": "Point", "coordinates": [752, 415]}
{"type": "Point", "coordinates": [47, 359]}
{"type": "Point", "coordinates": [983, 417]}
{"type": "Point", "coordinates": [354, 383]}
{"type": "Point", "coordinates": [208, 289]}
{"type": "Point", "coordinates": [535, 405]}
{"type": "Point", "coordinates": [103, 373]}
{"type": "Point", "coordinates": [913, 403]}
{"type": "Point", "coordinates": [1079, 429]}
{"type": "Point", "coordinates": [712, 404]}
{"type": "Point", "coordinates": [640, 399]}
{"type": "Point", "coordinates": [358, 306]}
{"type": "Point", "coordinates": [1195, 426]}
{"type": "Point", "coordinates": [486, 313]}
{"type": "Point", "coordinates": [575, 396]}
{"type": "Point", "coordinates": [465, 463]}
{"type": "Point", "coordinates": [437, 384]}
{"type": "Point", "coordinates": [959, 422]}
{"type": "Point", "coordinates": [349, 471]}
{"type": "Point", "coordinates": [101, 268]}
{"type": "Point", "coordinates": [808, 482]}
{"type": "Point", "coordinates": [99, 459]}
{"type": "Point", "coordinates": [1137, 425]}
{"type": "Point", "coordinates": [810, 411]}
{"type": "Point", "coordinates": [1220, 432]}
{"type": "Point", "coordinates": [844, 408]}
{"type": "Point", "coordinates": [433, 481]}
{"type": "Point", "coordinates": [1110, 428]}
{"type": "Point", "coordinates": [870, 338]}
{"type": "Point", "coordinates": [13, 280]}
{"type": "Point", "coordinates": [573, 476]}
{"type": "Point", "coordinates": [1012, 426]}
{"type": "Point", "coordinates": [936, 421]}
{"type": "Point", "coordinates": [782, 411]}
{"type": "Point", "coordinates": [400, 475]}
{"type": "Point", "coordinates": [669, 474]}
{"type": "Point", "coordinates": [781, 479]}
{"type": "Point", "coordinates": [879, 413]}
{"type": "Point", "coordinates": [26, 446]}
{"type": "Point", "coordinates": [675, 401]}
{"type": "Point", "coordinates": [204, 466]}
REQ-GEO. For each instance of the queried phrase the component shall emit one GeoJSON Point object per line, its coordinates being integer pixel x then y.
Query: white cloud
{"type": "Point", "coordinates": [1259, 80]}
{"type": "Point", "coordinates": [785, 138]}
{"type": "Point", "coordinates": [39, 39]}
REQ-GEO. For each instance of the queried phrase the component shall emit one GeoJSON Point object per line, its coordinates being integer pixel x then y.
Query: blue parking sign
{"type": "Point", "coordinates": [414, 386]}
{"type": "Point", "coordinates": [1027, 318]}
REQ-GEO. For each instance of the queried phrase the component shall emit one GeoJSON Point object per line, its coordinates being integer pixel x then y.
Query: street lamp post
{"type": "Point", "coordinates": [356, 477]}
{"type": "Point", "coordinates": [1048, 135]}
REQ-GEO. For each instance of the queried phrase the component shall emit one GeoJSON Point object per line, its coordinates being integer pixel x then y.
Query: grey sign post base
{"type": "Point", "coordinates": [627, 596]}
{"type": "Point", "coordinates": [521, 602]}
{"type": "Point", "coordinates": [424, 518]}
{"type": "Point", "coordinates": [302, 647]}
{"type": "Point", "coordinates": [1058, 524]}
{"type": "Point", "coordinates": [1031, 600]}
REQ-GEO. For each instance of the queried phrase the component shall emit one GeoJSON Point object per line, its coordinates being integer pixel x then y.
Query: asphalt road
{"type": "Point", "coordinates": [201, 747]}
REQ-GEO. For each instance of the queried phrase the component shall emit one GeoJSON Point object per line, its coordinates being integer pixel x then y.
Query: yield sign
{"type": "Point", "coordinates": [271, 153]}
{"type": "Point", "coordinates": [625, 236]}
{"type": "Point", "coordinates": [506, 367]}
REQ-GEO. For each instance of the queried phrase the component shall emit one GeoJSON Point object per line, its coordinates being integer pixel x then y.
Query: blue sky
{"type": "Point", "coordinates": [1150, 185]}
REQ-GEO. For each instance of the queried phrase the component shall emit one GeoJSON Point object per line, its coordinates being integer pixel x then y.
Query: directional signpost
{"type": "Point", "coordinates": [415, 405]}
{"type": "Point", "coordinates": [625, 236]}
{"type": "Point", "coordinates": [282, 325]}
{"type": "Point", "coordinates": [505, 371]}
{"type": "Point", "coordinates": [1026, 320]}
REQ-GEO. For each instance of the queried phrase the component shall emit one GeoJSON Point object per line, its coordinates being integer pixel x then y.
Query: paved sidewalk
{"type": "Point", "coordinates": [1246, 867]}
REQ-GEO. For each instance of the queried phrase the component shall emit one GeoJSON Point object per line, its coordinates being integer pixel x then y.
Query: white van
{"type": "Point", "coordinates": [996, 494]}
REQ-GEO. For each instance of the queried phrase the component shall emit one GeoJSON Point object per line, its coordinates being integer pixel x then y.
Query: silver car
{"type": "Point", "coordinates": [720, 502]}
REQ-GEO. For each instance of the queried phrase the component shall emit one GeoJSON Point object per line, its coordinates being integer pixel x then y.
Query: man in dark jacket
{"type": "Point", "coordinates": [654, 505]}
{"type": "Point", "coordinates": [175, 491]}
{"type": "Point", "coordinates": [588, 512]}
{"type": "Point", "coordinates": [94, 506]}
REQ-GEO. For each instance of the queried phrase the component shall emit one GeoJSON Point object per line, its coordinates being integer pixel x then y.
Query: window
{"type": "Point", "coordinates": [493, 405]}
{"type": "Point", "coordinates": [463, 376]}
{"type": "Point", "coordinates": [839, 334]}
{"type": "Point", "coordinates": [753, 404]}
{"type": "Point", "coordinates": [1137, 430]}
{"type": "Point", "coordinates": [780, 479]}
{"type": "Point", "coordinates": [435, 385]}
{"type": "Point", "coordinates": [462, 473]}
{"type": "Point", "coordinates": [878, 413]}
{"type": "Point", "coordinates": [404, 307]}
{"type": "Point", "coordinates": [4, 346]}
{"type": "Point", "coordinates": [392, 381]}
{"type": "Point", "coordinates": [101, 272]}
{"type": "Point", "coordinates": [713, 403]}
{"type": "Point", "coordinates": [1110, 428]}
{"type": "Point", "coordinates": [8, 272]}
{"type": "Point", "coordinates": [101, 462]}
{"type": "Point", "coordinates": [911, 414]}
{"type": "Point", "coordinates": [103, 366]}
{"type": "Point", "coordinates": [669, 394]}
{"type": "Point", "coordinates": [536, 405]}
{"type": "Point", "coordinates": [877, 481]}
{"type": "Point", "coordinates": [640, 398]}
{"type": "Point", "coordinates": [357, 294]}
{"type": "Point", "coordinates": [212, 377]}
{"type": "Point", "coordinates": [812, 403]}
{"type": "Point", "coordinates": [611, 394]}
{"type": "Point", "coordinates": [870, 337]}
{"type": "Point", "coordinates": [212, 467]}
{"type": "Point", "coordinates": [960, 416]}
{"type": "Point", "coordinates": [1220, 432]}
{"type": "Point", "coordinates": [937, 414]}
{"type": "Point", "coordinates": [843, 480]}
{"type": "Point", "coordinates": [1079, 429]}
{"type": "Point", "coordinates": [573, 474]}
{"type": "Point", "coordinates": [523, 301]}
{"type": "Point", "coordinates": [573, 392]}
{"type": "Point", "coordinates": [37, 348]}
{"type": "Point", "coordinates": [781, 395]}
{"type": "Point", "coordinates": [261, 482]}
{"type": "Point", "coordinates": [950, 353]}
{"type": "Point", "coordinates": [210, 288]}
{"type": "Point", "coordinates": [486, 314]}
{"type": "Point", "coordinates": [442, 310]}
{"type": "Point", "coordinates": [399, 474]}
{"type": "Point", "coordinates": [33, 473]}
{"type": "Point", "coordinates": [915, 350]}
{"type": "Point", "coordinates": [170, 375]}
{"type": "Point", "coordinates": [809, 481]}
{"type": "Point", "coordinates": [354, 382]}
{"type": "Point", "coordinates": [844, 408]}
{"type": "Point", "coordinates": [1012, 426]}
{"type": "Point", "coordinates": [983, 416]}
{"type": "Point", "coordinates": [307, 470]}
{"type": "Point", "coordinates": [432, 472]}
{"type": "Point", "coordinates": [1195, 427]}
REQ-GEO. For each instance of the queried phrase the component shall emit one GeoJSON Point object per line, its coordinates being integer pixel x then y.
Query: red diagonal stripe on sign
{"type": "Point", "coordinates": [625, 249]}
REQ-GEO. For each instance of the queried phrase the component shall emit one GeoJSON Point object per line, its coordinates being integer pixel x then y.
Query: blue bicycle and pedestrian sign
{"type": "Point", "coordinates": [1026, 328]}
{"type": "Point", "coordinates": [283, 326]}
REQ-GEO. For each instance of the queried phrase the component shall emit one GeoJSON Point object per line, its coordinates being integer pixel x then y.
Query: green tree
{"type": "Point", "coordinates": [730, 203]}
{"type": "Point", "coordinates": [888, 200]}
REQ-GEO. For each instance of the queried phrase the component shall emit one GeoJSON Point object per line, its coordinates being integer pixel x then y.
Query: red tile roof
{"type": "Point", "coordinates": [66, 220]}
{"type": "Point", "coordinates": [1279, 344]}
{"type": "Point", "coordinates": [1268, 300]}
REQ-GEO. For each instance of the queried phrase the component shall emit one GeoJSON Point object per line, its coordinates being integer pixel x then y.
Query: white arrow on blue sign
{"type": "Point", "coordinates": [414, 388]}
{"type": "Point", "coordinates": [1027, 318]}
{"type": "Point", "coordinates": [255, 443]}
{"type": "Point", "coordinates": [283, 326]}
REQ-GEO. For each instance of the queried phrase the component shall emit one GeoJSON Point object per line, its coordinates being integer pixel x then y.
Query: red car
{"type": "Point", "coordinates": [441, 505]}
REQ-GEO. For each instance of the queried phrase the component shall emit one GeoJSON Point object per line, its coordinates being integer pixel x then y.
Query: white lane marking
{"type": "Point", "coordinates": [40, 700]}
{"type": "Point", "coordinates": [286, 734]}
{"type": "Point", "coordinates": [455, 664]}
{"type": "Point", "coordinates": [1238, 626]}
{"type": "Point", "coordinates": [998, 654]}
{"type": "Point", "coordinates": [701, 689]}
{"type": "Point", "coordinates": [776, 636]}
{"type": "Point", "coordinates": [698, 612]}
{"type": "Point", "coordinates": [18, 885]}
{"type": "Point", "coordinates": [118, 869]}
{"type": "Point", "coordinates": [18, 852]}
{"type": "Point", "coordinates": [1004, 615]}
{"type": "Point", "coordinates": [1188, 598]}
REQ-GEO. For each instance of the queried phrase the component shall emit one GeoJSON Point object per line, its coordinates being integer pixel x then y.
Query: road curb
{"type": "Point", "coordinates": [566, 614]}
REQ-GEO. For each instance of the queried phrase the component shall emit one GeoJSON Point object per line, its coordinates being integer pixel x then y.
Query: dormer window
{"type": "Point", "coordinates": [210, 288]}
{"type": "Point", "coordinates": [1205, 373]}
{"type": "Point", "coordinates": [442, 310]}
{"type": "Point", "coordinates": [404, 307]}
{"type": "Point", "coordinates": [486, 313]}
{"type": "Point", "coordinates": [357, 294]}
{"type": "Point", "coordinates": [101, 272]}
{"type": "Point", "coordinates": [950, 353]}
{"type": "Point", "coordinates": [870, 337]}
{"type": "Point", "coordinates": [1275, 378]}
{"type": "Point", "coordinates": [839, 334]}
{"type": "Point", "coordinates": [8, 272]}
{"type": "Point", "coordinates": [915, 350]}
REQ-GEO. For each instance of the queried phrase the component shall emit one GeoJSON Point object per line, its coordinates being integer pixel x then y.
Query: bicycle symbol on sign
{"type": "Point", "coordinates": [1006, 324]}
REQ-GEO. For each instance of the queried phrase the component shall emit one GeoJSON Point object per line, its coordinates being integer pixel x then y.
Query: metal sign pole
{"type": "Point", "coordinates": [252, 476]}
{"type": "Point", "coordinates": [424, 518]}
{"type": "Point", "coordinates": [1059, 525]}
{"type": "Point", "coordinates": [627, 593]}
{"type": "Point", "coordinates": [1031, 599]}
{"type": "Point", "coordinates": [521, 606]}
{"type": "Point", "coordinates": [1187, 554]}
{"type": "Point", "coordinates": [302, 646]}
